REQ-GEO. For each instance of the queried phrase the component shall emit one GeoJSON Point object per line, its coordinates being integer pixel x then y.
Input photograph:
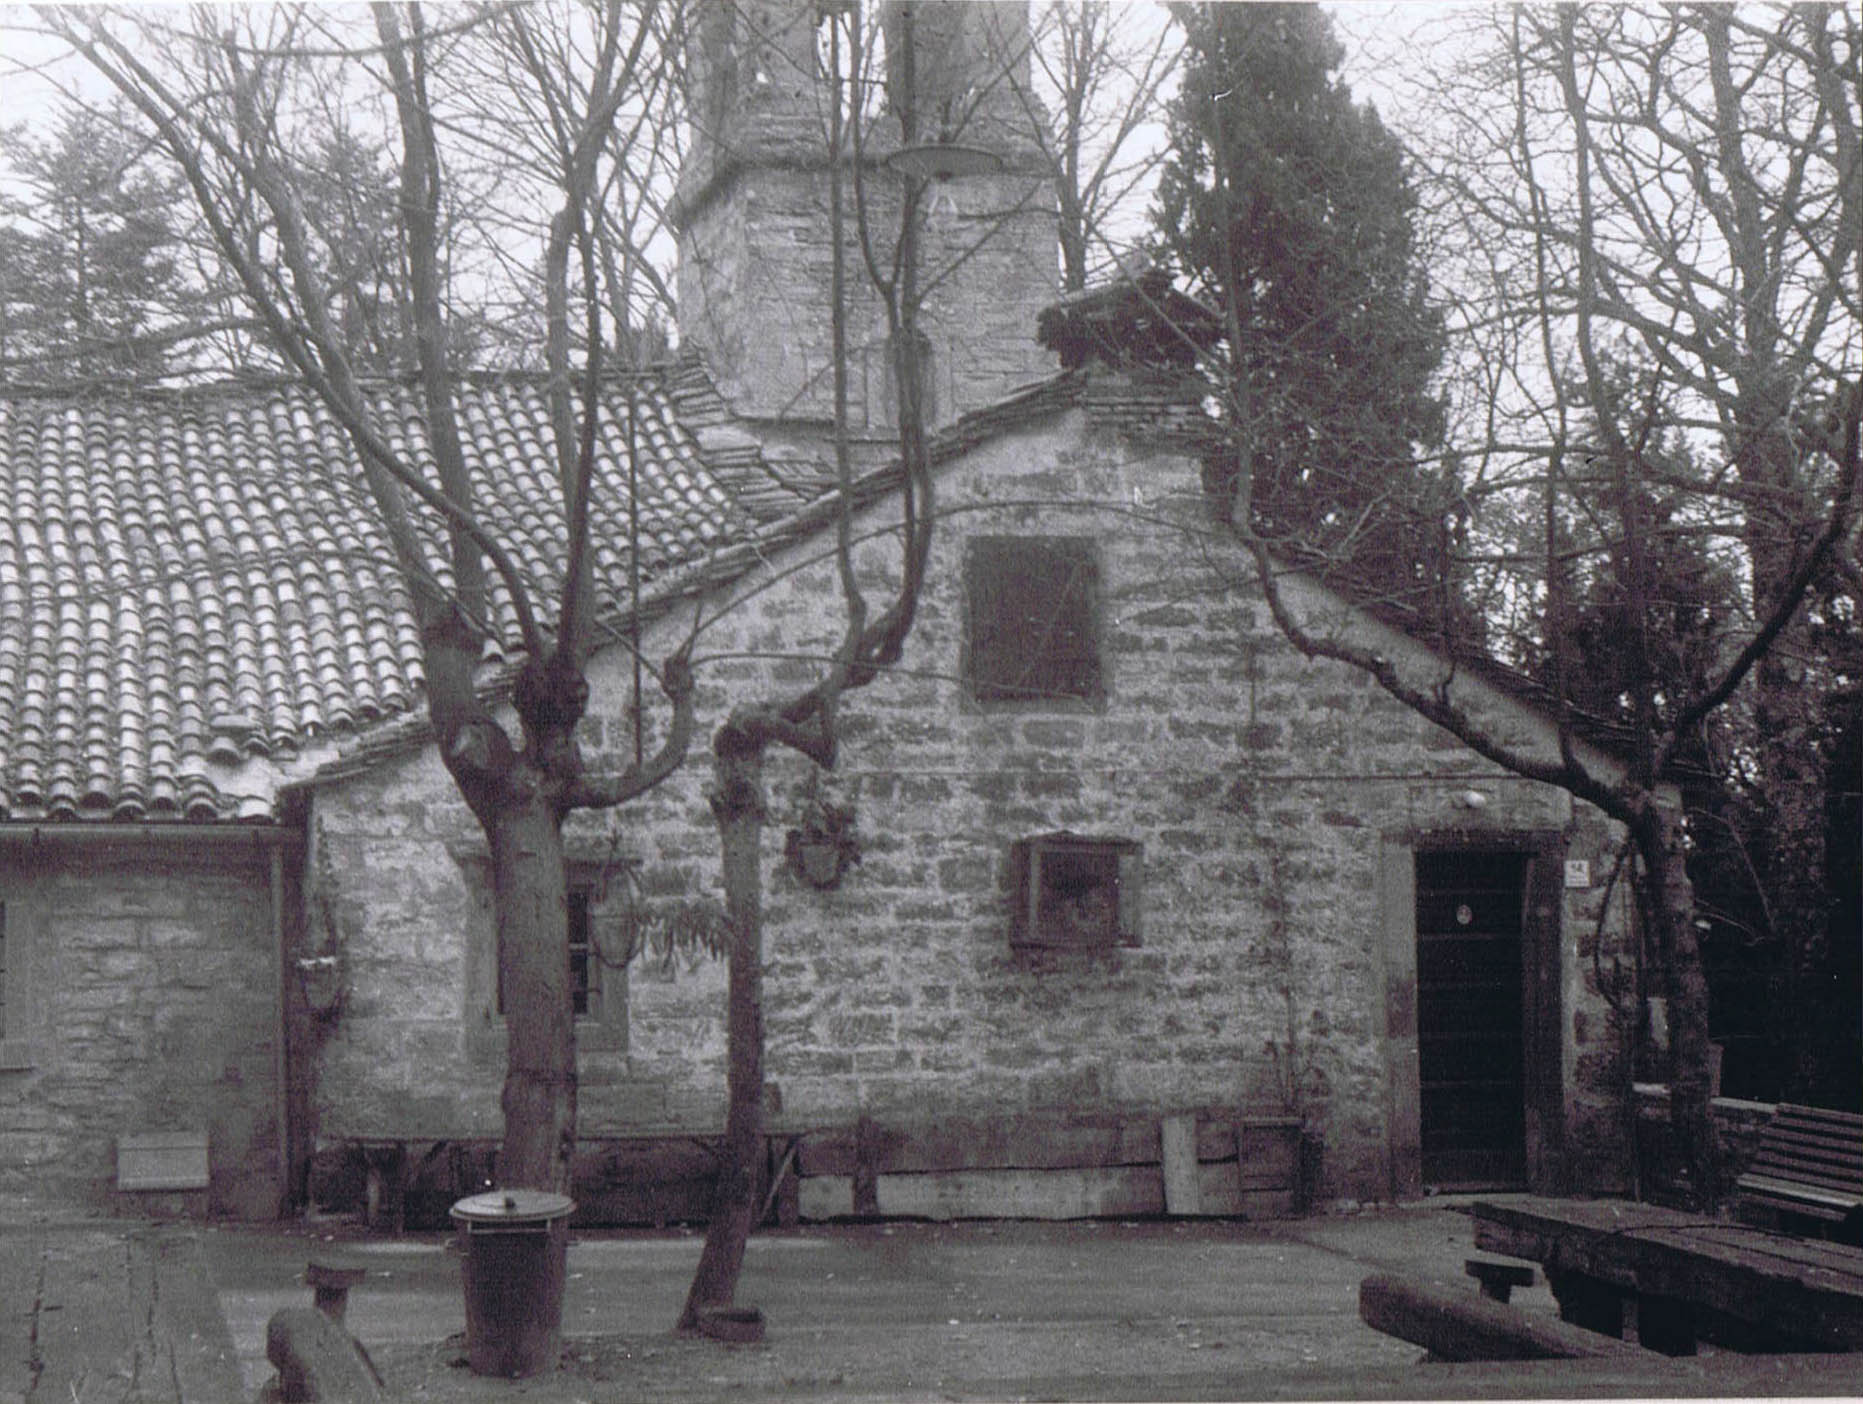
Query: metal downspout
{"type": "Point", "coordinates": [281, 1053]}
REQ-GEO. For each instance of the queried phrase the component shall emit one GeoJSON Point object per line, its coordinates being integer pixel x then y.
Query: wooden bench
{"type": "Point", "coordinates": [1498, 1280]}
{"type": "Point", "coordinates": [1809, 1165]}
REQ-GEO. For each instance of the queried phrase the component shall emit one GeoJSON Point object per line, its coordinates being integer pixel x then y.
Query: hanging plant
{"type": "Point", "coordinates": [824, 844]}
{"type": "Point", "coordinates": [669, 929]}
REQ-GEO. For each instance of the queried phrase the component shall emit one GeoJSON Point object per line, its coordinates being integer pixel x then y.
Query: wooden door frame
{"type": "Point", "coordinates": [1542, 997]}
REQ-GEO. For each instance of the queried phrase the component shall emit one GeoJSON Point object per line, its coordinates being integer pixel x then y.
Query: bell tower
{"type": "Point", "coordinates": [752, 207]}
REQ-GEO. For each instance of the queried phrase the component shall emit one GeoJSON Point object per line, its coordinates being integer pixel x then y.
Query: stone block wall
{"type": "Point", "coordinates": [142, 980]}
{"type": "Point", "coordinates": [753, 211]}
{"type": "Point", "coordinates": [755, 278]}
{"type": "Point", "coordinates": [1269, 794]}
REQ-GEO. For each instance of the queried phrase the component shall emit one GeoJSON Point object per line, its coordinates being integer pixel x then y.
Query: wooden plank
{"type": "Point", "coordinates": [1269, 1154]}
{"type": "Point", "coordinates": [1223, 1191]}
{"type": "Point", "coordinates": [1177, 1139]}
{"type": "Point", "coordinates": [630, 1162]}
{"type": "Point", "coordinates": [1849, 1121]}
{"type": "Point", "coordinates": [1831, 1160]}
{"type": "Point", "coordinates": [1052, 1139]}
{"type": "Point", "coordinates": [1032, 1141]}
{"type": "Point", "coordinates": [1809, 1198]}
{"type": "Point", "coordinates": [1092, 1192]}
{"type": "Point", "coordinates": [1216, 1138]}
{"type": "Point", "coordinates": [1819, 1136]}
{"type": "Point", "coordinates": [1455, 1325]}
{"type": "Point", "coordinates": [1099, 1192]}
{"type": "Point", "coordinates": [653, 1202]}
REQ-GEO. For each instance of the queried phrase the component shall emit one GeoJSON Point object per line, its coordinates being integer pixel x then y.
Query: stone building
{"type": "Point", "coordinates": [1150, 911]}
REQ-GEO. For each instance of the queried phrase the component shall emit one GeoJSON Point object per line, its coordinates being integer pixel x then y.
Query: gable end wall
{"type": "Point", "coordinates": [1276, 799]}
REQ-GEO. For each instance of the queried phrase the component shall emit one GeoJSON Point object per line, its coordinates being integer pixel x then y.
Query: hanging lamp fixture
{"type": "Point", "coordinates": [943, 160]}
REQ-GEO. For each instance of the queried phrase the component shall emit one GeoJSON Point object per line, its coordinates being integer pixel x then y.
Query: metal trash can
{"type": "Point", "coordinates": [513, 1243]}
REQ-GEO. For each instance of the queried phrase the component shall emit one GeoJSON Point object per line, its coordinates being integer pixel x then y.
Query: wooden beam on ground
{"type": "Point", "coordinates": [1458, 1325]}
{"type": "Point", "coordinates": [318, 1361]}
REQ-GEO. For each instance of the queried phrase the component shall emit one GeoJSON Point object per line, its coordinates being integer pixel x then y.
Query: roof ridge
{"type": "Point", "coordinates": [665, 367]}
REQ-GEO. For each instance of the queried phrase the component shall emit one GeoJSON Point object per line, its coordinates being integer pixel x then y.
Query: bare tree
{"type": "Point", "coordinates": [1676, 191]}
{"type": "Point", "coordinates": [888, 212]}
{"type": "Point", "coordinates": [1687, 182]}
{"type": "Point", "coordinates": [221, 101]}
{"type": "Point", "coordinates": [1100, 72]}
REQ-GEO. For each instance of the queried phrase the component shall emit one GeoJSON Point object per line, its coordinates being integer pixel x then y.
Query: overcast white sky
{"type": "Point", "coordinates": [1373, 31]}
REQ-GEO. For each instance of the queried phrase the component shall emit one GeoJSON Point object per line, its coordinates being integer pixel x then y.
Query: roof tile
{"type": "Point", "coordinates": [200, 576]}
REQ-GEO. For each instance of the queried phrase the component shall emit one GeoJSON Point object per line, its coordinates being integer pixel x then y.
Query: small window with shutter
{"type": "Point", "coordinates": [1072, 892]}
{"type": "Point", "coordinates": [1032, 620]}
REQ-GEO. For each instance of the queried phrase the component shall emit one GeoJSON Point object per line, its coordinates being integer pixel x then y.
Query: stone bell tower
{"type": "Point", "coordinates": [752, 208]}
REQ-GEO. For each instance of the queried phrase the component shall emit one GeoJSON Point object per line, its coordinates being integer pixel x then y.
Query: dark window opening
{"type": "Point", "coordinates": [1071, 891]}
{"type": "Point", "coordinates": [2, 970]}
{"type": "Point", "coordinates": [1033, 619]}
{"type": "Point", "coordinates": [583, 980]}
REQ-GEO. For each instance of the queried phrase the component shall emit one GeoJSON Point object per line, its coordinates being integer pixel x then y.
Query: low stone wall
{"type": "Point", "coordinates": [1737, 1125]}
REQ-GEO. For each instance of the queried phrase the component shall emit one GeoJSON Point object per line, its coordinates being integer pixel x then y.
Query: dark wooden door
{"type": "Point", "coordinates": [1471, 1044]}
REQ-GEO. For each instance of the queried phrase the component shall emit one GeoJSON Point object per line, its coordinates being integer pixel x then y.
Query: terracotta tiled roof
{"type": "Point", "coordinates": [199, 576]}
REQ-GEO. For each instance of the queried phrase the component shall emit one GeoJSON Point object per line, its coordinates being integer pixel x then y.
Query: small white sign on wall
{"type": "Point", "coordinates": [162, 1160]}
{"type": "Point", "coordinates": [1577, 872]}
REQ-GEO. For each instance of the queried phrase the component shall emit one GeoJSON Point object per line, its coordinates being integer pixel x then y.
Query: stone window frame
{"type": "Point", "coordinates": [1546, 1015]}
{"type": "Point", "coordinates": [604, 1029]}
{"type": "Point", "coordinates": [993, 552]}
{"type": "Point", "coordinates": [1032, 860]}
{"type": "Point", "coordinates": [22, 1014]}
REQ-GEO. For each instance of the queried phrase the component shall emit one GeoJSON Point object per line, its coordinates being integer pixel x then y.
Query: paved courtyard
{"type": "Point", "coordinates": [99, 1310]}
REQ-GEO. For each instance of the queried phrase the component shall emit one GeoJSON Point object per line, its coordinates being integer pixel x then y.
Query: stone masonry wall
{"type": "Point", "coordinates": [152, 974]}
{"type": "Point", "coordinates": [753, 212]}
{"type": "Point", "coordinates": [1268, 792]}
{"type": "Point", "coordinates": [755, 274]}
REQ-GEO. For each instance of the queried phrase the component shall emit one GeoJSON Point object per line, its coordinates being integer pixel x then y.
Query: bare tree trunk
{"type": "Point", "coordinates": [531, 902]}
{"type": "Point", "coordinates": [739, 808]}
{"type": "Point", "coordinates": [1658, 832]}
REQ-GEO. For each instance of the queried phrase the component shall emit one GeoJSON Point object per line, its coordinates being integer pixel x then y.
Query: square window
{"type": "Point", "coordinates": [598, 978]}
{"type": "Point", "coordinates": [1074, 892]}
{"type": "Point", "coordinates": [1033, 619]}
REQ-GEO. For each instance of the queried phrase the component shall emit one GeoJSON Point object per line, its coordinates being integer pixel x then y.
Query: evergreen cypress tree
{"type": "Point", "coordinates": [1289, 205]}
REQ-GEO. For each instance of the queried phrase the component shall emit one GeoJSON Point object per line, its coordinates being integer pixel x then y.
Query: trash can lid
{"type": "Point", "coordinates": [512, 1206]}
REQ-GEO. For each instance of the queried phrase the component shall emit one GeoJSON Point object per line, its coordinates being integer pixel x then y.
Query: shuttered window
{"type": "Point", "coordinates": [1070, 890]}
{"type": "Point", "coordinates": [1033, 607]}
